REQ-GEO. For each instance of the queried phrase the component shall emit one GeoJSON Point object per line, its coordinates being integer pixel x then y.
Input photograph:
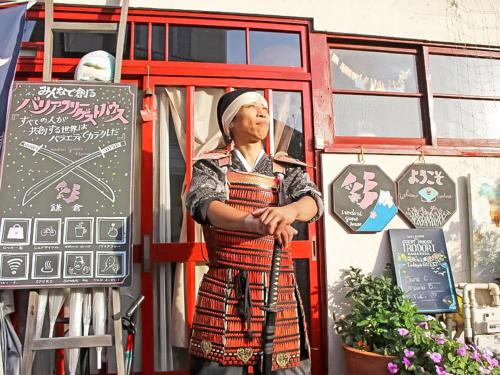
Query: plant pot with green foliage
{"type": "Point", "coordinates": [384, 329]}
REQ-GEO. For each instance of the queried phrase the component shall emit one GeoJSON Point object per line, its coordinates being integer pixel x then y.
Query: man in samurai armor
{"type": "Point", "coordinates": [247, 201]}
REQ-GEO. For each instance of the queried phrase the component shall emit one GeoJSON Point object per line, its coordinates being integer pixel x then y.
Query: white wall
{"type": "Point", "coordinates": [460, 21]}
{"type": "Point", "coordinates": [371, 252]}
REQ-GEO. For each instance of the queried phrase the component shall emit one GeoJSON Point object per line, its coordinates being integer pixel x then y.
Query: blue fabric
{"type": "Point", "coordinates": [12, 21]}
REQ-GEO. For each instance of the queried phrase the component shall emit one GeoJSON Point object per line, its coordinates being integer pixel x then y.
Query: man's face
{"type": "Point", "coordinates": [251, 123]}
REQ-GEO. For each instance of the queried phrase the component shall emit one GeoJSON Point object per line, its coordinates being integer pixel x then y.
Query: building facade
{"type": "Point", "coordinates": [388, 81]}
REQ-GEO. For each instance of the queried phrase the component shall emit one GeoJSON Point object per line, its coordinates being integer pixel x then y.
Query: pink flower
{"type": "Point", "coordinates": [406, 362]}
{"type": "Point", "coordinates": [476, 356]}
{"type": "Point", "coordinates": [423, 325]}
{"type": "Point", "coordinates": [439, 339]}
{"type": "Point", "coordinates": [403, 331]}
{"type": "Point", "coordinates": [441, 371]}
{"type": "Point", "coordinates": [436, 357]}
{"type": "Point", "coordinates": [409, 353]}
{"type": "Point", "coordinates": [461, 351]}
{"type": "Point", "coordinates": [392, 368]}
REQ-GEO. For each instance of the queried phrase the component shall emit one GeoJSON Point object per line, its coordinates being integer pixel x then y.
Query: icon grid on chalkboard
{"type": "Point", "coordinates": [111, 230]}
{"type": "Point", "coordinates": [47, 231]}
{"type": "Point", "coordinates": [78, 230]}
{"type": "Point", "coordinates": [46, 265]}
{"type": "Point", "coordinates": [15, 231]}
{"type": "Point", "coordinates": [78, 264]}
{"type": "Point", "coordinates": [110, 264]}
{"type": "Point", "coordinates": [14, 266]}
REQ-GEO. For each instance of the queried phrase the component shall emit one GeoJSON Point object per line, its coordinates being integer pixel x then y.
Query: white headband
{"type": "Point", "coordinates": [233, 108]}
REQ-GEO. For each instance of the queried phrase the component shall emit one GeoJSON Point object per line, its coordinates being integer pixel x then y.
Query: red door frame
{"type": "Point", "coordinates": [191, 252]}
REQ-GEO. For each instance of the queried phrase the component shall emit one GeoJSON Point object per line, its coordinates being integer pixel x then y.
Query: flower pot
{"type": "Point", "coordinates": [360, 362]}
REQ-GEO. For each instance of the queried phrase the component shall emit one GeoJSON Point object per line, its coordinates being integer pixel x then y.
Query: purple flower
{"type": "Point", "coordinates": [436, 357]}
{"type": "Point", "coordinates": [441, 371]}
{"type": "Point", "coordinates": [476, 356]}
{"type": "Point", "coordinates": [423, 325]}
{"type": "Point", "coordinates": [484, 371]}
{"type": "Point", "coordinates": [392, 368]}
{"type": "Point", "coordinates": [409, 353]}
{"type": "Point", "coordinates": [461, 351]}
{"type": "Point", "coordinates": [406, 362]}
{"type": "Point", "coordinates": [492, 361]}
{"type": "Point", "coordinates": [439, 339]}
{"type": "Point", "coordinates": [403, 331]}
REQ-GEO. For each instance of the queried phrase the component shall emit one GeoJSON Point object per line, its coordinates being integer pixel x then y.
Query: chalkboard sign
{"type": "Point", "coordinates": [423, 269]}
{"type": "Point", "coordinates": [426, 195]}
{"type": "Point", "coordinates": [66, 186]}
{"type": "Point", "coordinates": [364, 198]}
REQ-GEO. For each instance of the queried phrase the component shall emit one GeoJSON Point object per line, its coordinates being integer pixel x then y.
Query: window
{"type": "Point", "coordinates": [375, 94]}
{"type": "Point", "coordinates": [274, 48]}
{"type": "Point", "coordinates": [466, 92]}
{"type": "Point", "coordinates": [207, 44]}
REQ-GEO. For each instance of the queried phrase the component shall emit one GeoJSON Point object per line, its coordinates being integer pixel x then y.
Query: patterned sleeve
{"type": "Point", "coordinates": [207, 185]}
{"type": "Point", "coordinates": [298, 184]}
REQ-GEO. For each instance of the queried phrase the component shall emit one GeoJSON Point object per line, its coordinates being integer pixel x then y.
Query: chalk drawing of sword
{"type": "Point", "coordinates": [80, 172]}
{"type": "Point", "coordinates": [43, 184]}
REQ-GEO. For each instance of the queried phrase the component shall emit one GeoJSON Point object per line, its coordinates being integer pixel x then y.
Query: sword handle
{"type": "Point", "coordinates": [111, 147]}
{"type": "Point", "coordinates": [30, 146]}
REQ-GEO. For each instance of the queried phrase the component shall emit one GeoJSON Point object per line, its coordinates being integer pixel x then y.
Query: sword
{"type": "Point", "coordinates": [271, 309]}
{"type": "Point", "coordinates": [43, 184]}
{"type": "Point", "coordinates": [85, 175]}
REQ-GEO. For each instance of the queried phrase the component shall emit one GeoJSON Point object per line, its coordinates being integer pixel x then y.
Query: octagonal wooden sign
{"type": "Point", "coordinates": [364, 198]}
{"type": "Point", "coordinates": [426, 195]}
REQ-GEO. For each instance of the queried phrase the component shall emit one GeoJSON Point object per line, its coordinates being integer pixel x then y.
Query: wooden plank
{"type": "Point", "coordinates": [117, 326]}
{"type": "Point", "coordinates": [72, 342]}
{"type": "Point", "coordinates": [90, 27]}
{"type": "Point", "coordinates": [48, 42]}
{"type": "Point", "coordinates": [120, 40]}
{"type": "Point", "coordinates": [28, 354]}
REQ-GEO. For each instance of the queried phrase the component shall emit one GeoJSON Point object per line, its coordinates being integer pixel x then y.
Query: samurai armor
{"type": "Point", "coordinates": [229, 320]}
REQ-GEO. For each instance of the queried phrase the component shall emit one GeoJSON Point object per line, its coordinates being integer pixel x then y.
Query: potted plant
{"type": "Point", "coordinates": [384, 333]}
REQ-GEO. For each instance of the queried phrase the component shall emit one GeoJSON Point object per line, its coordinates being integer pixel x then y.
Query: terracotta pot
{"type": "Point", "coordinates": [359, 362]}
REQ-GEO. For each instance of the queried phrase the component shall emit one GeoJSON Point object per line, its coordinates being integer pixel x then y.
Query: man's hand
{"type": "Point", "coordinates": [276, 217]}
{"type": "Point", "coordinates": [284, 234]}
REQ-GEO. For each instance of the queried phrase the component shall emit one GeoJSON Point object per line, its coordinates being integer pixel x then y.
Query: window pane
{"type": "Point", "coordinates": [377, 116]}
{"type": "Point", "coordinates": [170, 167]}
{"type": "Point", "coordinates": [373, 71]}
{"type": "Point", "coordinates": [470, 119]}
{"type": "Point", "coordinates": [158, 42]}
{"type": "Point", "coordinates": [205, 44]}
{"type": "Point", "coordinates": [169, 316]}
{"type": "Point", "coordinates": [287, 117]}
{"type": "Point", "coordinates": [141, 41]}
{"type": "Point", "coordinates": [274, 48]}
{"type": "Point", "coordinates": [77, 44]}
{"type": "Point", "coordinates": [289, 135]}
{"type": "Point", "coordinates": [465, 75]}
{"type": "Point", "coordinates": [207, 135]}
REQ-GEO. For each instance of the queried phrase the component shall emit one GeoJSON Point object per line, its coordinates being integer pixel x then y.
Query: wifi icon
{"type": "Point", "coordinates": [14, 264]}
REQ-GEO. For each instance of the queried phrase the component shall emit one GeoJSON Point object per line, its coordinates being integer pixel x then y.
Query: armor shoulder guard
{"type": "Point", "coordinates": [221, 155]}
{"type": "Point", "coordinates": [282, 158]}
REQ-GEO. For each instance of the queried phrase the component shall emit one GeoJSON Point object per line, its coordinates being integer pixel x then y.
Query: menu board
{"type": "Point", "coordinates": [423, 269]}
{"type": "Point", "coordinates": [66, 185]}
{"type": "Point", "coordinates": [426, 195]}
{"type": "Point", "coordinates": [364, 198]}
